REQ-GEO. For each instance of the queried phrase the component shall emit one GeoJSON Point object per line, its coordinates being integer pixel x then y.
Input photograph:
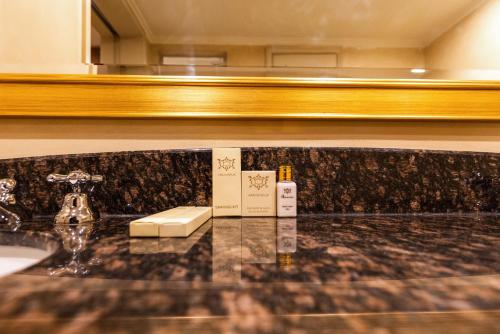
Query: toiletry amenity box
{"type": "Point", "coordinates": [185, 222]}
{"type": "Point", "coordinates": [258, 194]}
{"type": "Point", "coordinates": [178, 222]}
{"type": "Point", "coordinates": [226, 182]}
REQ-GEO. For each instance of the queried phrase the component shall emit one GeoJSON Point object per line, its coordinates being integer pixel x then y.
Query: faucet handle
{"type": "Point", "coordinates": [75, 178]}
{"type": "Point", "coordinates": [6, 187]}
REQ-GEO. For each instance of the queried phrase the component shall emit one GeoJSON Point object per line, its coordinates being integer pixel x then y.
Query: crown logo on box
{"type": "Point", "coordinates": [226, 163]}
{"type": "Point", "coordinates": [258, 181]}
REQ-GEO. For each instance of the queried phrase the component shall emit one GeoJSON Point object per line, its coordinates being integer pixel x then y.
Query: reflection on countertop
{"type": "Point", "coordinates": [251, 275]}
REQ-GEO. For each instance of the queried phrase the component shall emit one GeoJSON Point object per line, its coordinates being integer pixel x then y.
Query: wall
{"type": "Point", "coordinates": [44, 37]}
{"type": "Point", "coordinates": [133, 51]}
{"type": "Point", "coordinates": [249, 56]}
{"type": "Point", "coordinates": [236, 55]}
{"type": "Point", "coordinates": [34, 137]}
{"type": "Point", "coordinates": [470, 49]}
{"type": "Point", "coordinates": [383, 58]}
{"type": "Point", "coordinates": [64, 52]}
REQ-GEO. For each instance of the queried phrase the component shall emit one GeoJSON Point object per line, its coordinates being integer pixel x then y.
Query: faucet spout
{"type": "Point", "coordinates": [11, 218]}
{"type": "Point", "coordinates": [6, 199]}
{"type": "Point", "coordinates": [76, 208]}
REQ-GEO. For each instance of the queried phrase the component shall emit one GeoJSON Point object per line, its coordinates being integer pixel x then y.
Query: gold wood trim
{"type": "Point", "coordinates": [239, 97]}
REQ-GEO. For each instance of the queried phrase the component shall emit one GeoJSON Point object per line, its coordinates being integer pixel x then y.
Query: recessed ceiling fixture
{"type": "Point", "coordinates": [418, 70]}
{"type": "Point", "coordinates": [194, 61]}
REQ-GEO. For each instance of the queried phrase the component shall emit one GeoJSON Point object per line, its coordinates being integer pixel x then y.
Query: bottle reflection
{"type": "Point", "coordinates": [74, 239]}
{"type": "Point", "coordinates": [286, 241]}
{"type": "Point", "coordinates": [226, 250]}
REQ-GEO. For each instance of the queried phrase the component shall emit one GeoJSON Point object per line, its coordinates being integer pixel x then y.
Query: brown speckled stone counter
{"type": "Point", "coordinates": [329, 180]}
{"type": "Point", "coordinates": [320, 273]}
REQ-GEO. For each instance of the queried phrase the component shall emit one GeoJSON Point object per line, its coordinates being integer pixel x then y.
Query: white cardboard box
{"type": "Point", "coordinates": [258, 193]}
{"type": "Point", "coordinates": [178, 222]}
{"type": "Point", "coordinates": [226, 182]}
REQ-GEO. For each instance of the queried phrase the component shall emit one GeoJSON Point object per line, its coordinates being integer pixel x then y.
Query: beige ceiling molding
{"type": "Point", "coordinates": [365, 43]}
{"type": "Point", "coordinates": [287, 50]}
{"type": "Point", "coordinates": [136, 13]}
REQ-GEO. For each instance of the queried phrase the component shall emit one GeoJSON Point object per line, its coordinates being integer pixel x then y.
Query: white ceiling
{"type": "Point", "coordinates": [368, 23]}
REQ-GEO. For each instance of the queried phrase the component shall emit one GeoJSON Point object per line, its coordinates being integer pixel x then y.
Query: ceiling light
{"type": "Point", "coordinates": [418, 70]}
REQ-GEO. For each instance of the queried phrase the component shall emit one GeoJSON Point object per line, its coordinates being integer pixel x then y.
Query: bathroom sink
{"type": "Point", "coordinates": [19, 251]}
{"type": "Point", "coordinates": [16, 258]}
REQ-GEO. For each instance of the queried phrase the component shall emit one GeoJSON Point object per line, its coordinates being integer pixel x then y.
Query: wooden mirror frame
{"type": "Point", "coordinates": [122, 96]}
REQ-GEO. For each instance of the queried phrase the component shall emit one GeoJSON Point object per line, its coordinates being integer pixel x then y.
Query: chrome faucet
{"type": "Point", "coordinates": [6, 199]}
{"type": "Point", "coordinates": [75, 208]}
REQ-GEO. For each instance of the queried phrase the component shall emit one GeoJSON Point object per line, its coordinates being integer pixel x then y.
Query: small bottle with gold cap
{"type": "Point", "coordinates": [286, 196]}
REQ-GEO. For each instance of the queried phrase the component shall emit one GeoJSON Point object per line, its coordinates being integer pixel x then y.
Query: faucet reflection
{"type": "Point", "coordinates": [74, 239]}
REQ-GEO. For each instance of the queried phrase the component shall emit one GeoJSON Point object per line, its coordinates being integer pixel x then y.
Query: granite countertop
{"type": "Point", "coordinates": [353, 273]}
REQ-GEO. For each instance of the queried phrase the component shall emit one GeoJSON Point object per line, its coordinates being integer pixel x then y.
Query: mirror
{"type": "Point", "coordinates": [410, 39]}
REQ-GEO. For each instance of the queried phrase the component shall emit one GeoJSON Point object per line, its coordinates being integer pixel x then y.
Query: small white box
{"type": "Point", "coordinates": [178, 222]}
{"type": "Point", "coordinates": [226, 182]}
{"type": "Point", "coordinates": [258, 193]}
{"type": "Point", "coordinates": [143, 229]}
{"type": "Point", "coordinates": [185, 223]}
